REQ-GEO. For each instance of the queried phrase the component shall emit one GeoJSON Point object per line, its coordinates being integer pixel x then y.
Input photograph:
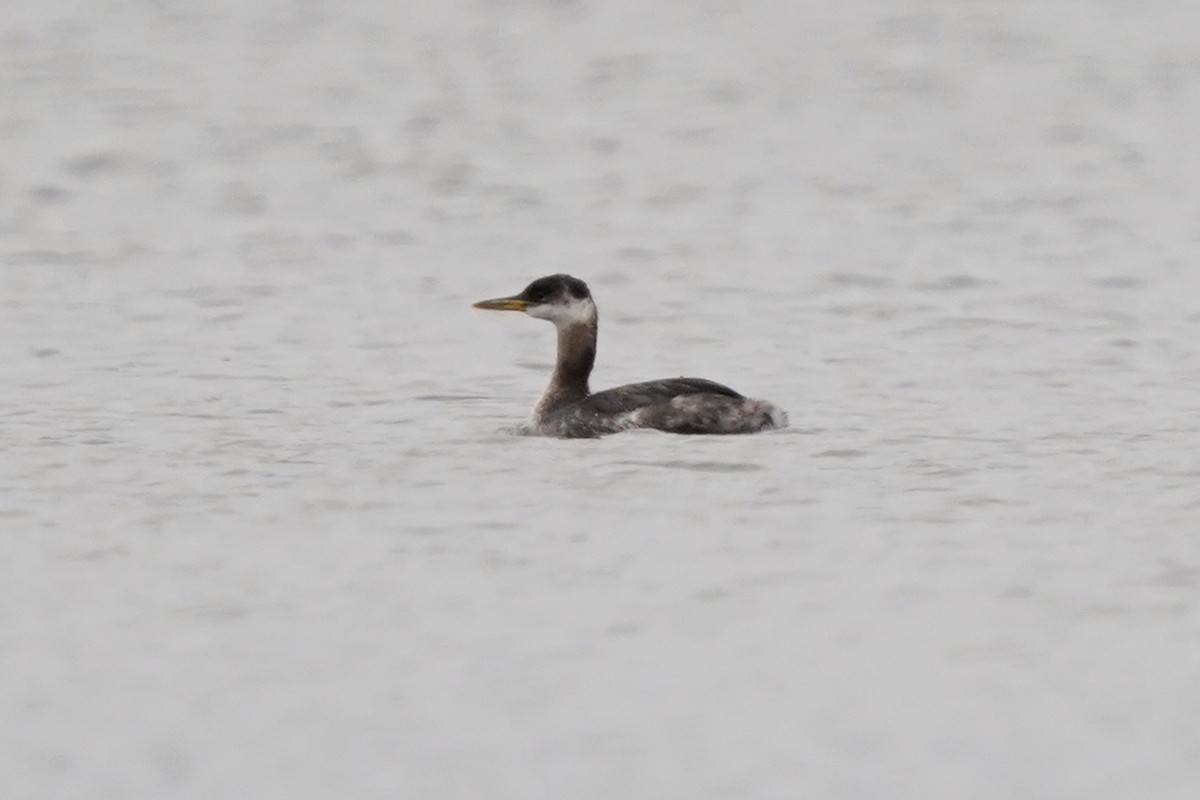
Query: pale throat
{"type": "Point", "coordinates": [574, 358]}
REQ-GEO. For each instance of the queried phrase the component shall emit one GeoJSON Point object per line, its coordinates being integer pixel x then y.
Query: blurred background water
{"type": "Point", "coordinates": [264, 533]}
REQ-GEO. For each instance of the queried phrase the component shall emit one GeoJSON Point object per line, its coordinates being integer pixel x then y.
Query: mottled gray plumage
{"type": "Point", "coordinates": [568, 409]}
{"type": "Point", "coordinates": [639, 395]}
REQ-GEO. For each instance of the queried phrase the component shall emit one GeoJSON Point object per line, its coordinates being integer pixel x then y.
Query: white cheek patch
{"type": "Point", "coordinates": [579, 311]}
{"type": "Point", "coordinates": [573, 312]}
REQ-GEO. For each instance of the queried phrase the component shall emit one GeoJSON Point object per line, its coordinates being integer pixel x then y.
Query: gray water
{"type": "Point", "coordinates": [265, 535]}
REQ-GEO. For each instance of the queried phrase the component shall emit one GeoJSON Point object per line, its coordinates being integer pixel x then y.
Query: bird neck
{"type": "Point", "coordinates": [572, 366]}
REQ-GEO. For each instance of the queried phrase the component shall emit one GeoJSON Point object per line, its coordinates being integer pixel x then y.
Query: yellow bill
{"type": "Point", "coordinates": [502, 304]}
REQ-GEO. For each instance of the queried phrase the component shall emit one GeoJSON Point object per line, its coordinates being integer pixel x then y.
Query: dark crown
{"type": "Point", "coordinates": [555, 288]}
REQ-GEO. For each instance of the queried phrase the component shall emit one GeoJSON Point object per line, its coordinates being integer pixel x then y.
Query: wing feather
{"type": "Point", "coordinates": [638, 395]}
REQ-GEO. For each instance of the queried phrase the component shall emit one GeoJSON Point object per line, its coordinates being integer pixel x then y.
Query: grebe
{"type": "Point", "coordinates": [568, 409]}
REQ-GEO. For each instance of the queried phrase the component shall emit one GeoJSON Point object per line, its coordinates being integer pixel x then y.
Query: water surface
{"type": "Point", "coordinates": [265, 533]}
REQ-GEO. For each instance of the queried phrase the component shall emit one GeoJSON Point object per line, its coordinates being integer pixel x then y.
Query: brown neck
{"type": "Point", "coordinates": [573, 365]}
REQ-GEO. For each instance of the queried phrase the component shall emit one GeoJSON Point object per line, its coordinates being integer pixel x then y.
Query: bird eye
{"type": "Point", "coordinates": [538, 293]}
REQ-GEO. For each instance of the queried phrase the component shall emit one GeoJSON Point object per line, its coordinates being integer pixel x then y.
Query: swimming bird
{"type": "Point", "coordinates": [569, 409]}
